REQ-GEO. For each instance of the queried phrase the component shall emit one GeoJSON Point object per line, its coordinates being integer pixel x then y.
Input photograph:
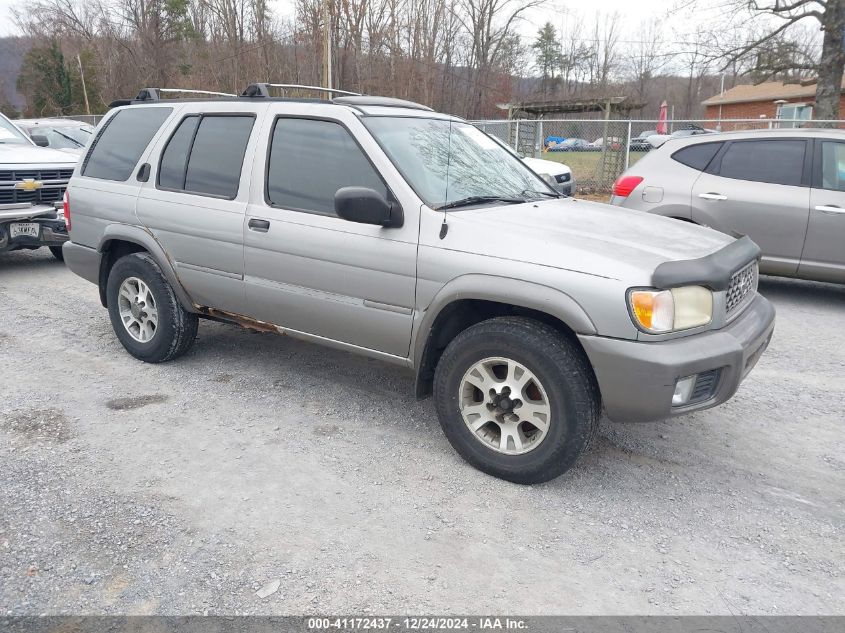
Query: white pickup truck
{"type": "Point", "coordinates": [32, 184]}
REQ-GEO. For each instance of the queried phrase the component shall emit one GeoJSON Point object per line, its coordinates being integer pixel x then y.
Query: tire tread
{"type": "Point", "coordinates": [567, 357]}
{"type": "Point", "coordinates": [185, 324]}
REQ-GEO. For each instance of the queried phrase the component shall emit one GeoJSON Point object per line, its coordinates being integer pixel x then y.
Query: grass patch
{"type": "Point", "coordinates": [587, 167]}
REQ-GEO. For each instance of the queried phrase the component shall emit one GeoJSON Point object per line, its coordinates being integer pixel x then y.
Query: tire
{"type": "Point", "coordinates": [176, 328]}
{"type": "Point", "coordinates": [566, 380]}
{"type": "Point", "coordinates": [57, 252]}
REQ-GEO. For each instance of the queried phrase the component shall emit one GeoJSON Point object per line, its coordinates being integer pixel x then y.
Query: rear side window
{"type": "Point", "coordinates": [205, 155]}
{"type": "Point", "coordinates": [174, 160]}
{"type": "Point", "coordinates": [118, 146]}
{"type": "Point", "coordinates": [773, 161]}
{"type": "Point", "coordinates": [310, 160]}
{"type": "Point", "coordinates": [833, 166]}
{"type": "Point", "coordinates": [697, 156]}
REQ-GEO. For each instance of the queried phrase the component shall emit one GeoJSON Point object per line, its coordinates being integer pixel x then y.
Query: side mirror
{"type": "Point", "coordinates": [39, 140]}
{"type": "Point", "coordinates": [367, 206]}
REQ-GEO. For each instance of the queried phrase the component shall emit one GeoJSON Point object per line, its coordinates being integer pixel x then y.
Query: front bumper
{"type": "Point", "coordinates": [52, 231]}
{"type": "Point", "coordinates": [637, 379]}
{"type": "Point", "coordinates": [566, 188]}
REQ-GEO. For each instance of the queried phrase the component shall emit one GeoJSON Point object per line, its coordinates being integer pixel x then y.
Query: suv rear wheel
{"type": "Point", "coordinates": [517, 399]}
{"type": "Point", "coordinates": [145, 313]}
{"type": "Point", "coordinates": [57, 252]}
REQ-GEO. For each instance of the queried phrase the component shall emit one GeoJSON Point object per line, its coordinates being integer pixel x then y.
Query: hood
{"type": "Point", "coordinates": [31, 154]}
{"type": "Point", "coordinates": [76, 152]}
{"type": "Point", "coordinates": [550, 167]}
{"type": "Point", "coordinates": [583, 236]}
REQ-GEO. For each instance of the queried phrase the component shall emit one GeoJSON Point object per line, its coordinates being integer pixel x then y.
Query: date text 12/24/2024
{"type": "Point", "coordinates": [416, 623]}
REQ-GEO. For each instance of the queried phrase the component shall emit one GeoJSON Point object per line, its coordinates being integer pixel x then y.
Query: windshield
{"type": "Point", "coordinates": [63, 136]}
{"type": "Point", "coordinates": [10, 134]}
{"type": "Point", "coordinates": [449, 162]}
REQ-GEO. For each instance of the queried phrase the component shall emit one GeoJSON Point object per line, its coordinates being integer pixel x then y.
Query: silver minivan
{"type": "Point", "coordinates": [383, 228]}
{"type": "Point", "coordinates": [783, 188]}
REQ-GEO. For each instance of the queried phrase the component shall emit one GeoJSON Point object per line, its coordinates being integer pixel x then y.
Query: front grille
{"type": "Point", "coordinates": [35, 174]}
{"type": "Point", "coordinates": [705, 386]}
{"type": "Point", "coordinates": [742, 287]}
{"type": "Point", "coordinates": [47, 194]}
{"type": "Point", "coordinates": [562, 178]}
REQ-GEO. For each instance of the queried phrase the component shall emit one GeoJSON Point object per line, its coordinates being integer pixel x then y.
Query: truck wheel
{"type": "Point", "coordinates": [517, 399]}
{"type": "Point", "coordinates": [57, 252]}
{"type": "Point", "coordinates": [145, 313]}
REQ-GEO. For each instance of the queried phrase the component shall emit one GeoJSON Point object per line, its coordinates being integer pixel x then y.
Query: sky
{"type": "Point", "coordinates": [626, 8]}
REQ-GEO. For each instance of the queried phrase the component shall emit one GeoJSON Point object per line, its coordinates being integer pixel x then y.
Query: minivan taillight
{"type": "Point", "coordinates": [66, 209]}
{"type": "Point", "coordinates": [624, 185]}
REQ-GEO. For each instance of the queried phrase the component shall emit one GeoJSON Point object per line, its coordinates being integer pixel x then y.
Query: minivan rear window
{"type": "Point", "coordinates": [697, 156]}
{"type": "Point", "coordinates": [118, 146]}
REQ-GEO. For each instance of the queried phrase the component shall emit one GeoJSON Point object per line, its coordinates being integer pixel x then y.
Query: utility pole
{"type": "Point", "coordinates": [84, 89]}
{"type": "Point", "coordinates": [327, 44]}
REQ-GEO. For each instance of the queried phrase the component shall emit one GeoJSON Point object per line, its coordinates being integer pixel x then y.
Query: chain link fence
{"type": "Point", "coordinates": [598, 151]}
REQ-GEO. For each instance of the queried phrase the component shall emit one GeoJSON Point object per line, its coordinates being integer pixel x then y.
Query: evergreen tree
{"type": "Point", "coordinates": [52, 84]}
{"type": "Point", "coordinates": [548, 56]}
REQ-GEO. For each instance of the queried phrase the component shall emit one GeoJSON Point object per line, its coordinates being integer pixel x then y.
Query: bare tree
{"type": "Point", "coordinates": [646, 57]}
{"type": "Point", "coordinates": [488, 24]}
{"type": "Point", "coordinates": [775, 48]}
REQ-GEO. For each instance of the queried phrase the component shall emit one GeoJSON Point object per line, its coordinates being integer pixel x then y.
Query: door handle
{"type": "Point", "coordinates": [144, 173]}
{"type": "Point", "coordinates": [712, 196]}
{"type": "Point", "coordinates": [259, 226]}
{"type": "Point", "coordinates": [830, 209]}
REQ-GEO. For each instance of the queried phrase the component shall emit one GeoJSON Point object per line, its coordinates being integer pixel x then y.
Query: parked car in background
{"type": "Point", "coordinates": [783, 188]}
{"type": "Point", "coordinates": [656, 140]}
{"type": "Point", "coordinates": [640, 142]}
{"type": "Point", "coordinates": [573, 145]}
{"type": "Point", "coordinates": [611, 142]}
{"type": "Point", "coordinates": [32, 182]}
{"type": "Point", "coordinates": [64, 134]}
{"type": "Point", "coordinates": [380, 227]}
{"type": "Point", "coordinates": [556, 174]}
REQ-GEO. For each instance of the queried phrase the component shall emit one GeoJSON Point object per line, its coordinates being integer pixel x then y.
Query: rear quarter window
{"type": "Point", "coordinates": [119, 145]}
{"type": "Point", "coordinates": [697, 156]}
{"type": "Point", "coordinates": [778, 162]}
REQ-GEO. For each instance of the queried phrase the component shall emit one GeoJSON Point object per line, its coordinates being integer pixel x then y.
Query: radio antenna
{"type": "Point", "coordinates": [444, 228]}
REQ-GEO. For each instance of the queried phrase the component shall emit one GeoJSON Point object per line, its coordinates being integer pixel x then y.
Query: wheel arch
{"type": "Point", "coordinates": [475, 298]}
{"type": "Point", "coordinates": [120, 240]}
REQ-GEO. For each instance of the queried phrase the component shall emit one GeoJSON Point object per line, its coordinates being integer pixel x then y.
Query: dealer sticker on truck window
{"type": "Point", "coordinates": [28, 228]}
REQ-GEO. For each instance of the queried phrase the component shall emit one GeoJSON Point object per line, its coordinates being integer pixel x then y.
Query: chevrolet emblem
{"type": "Point", "coordinates": [29, 184]}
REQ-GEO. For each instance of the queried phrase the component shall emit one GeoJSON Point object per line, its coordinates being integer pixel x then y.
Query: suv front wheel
{"type": "Point", "coordinates": [145, 313]}
{"type": "Point", "coordinates": [517, 399]}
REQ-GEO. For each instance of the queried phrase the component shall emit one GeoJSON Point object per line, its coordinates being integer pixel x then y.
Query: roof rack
{"type": "Point", "coordinates": [358, 100]}
{"type": "Point", "coordinates": [153, 94]}
{"type": "Point", "coordinates": [262, 90]}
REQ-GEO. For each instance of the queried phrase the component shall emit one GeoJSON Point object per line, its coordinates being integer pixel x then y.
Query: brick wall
{"type": "Point", "coordinates": [756, 110]}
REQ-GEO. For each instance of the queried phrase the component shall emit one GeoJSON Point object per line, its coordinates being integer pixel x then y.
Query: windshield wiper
{"type": "Point", "coordinates": [531, 192]}
{"type": "Point", "coordinates": [70, 138]}
{"type": "Point", "coordinates": [471, 200]}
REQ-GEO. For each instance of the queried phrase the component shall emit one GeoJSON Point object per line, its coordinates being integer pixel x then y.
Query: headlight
{"type": "Point", "coordinates": [548, 178]}
{"type": "Point", "coordinates": [661, 311]}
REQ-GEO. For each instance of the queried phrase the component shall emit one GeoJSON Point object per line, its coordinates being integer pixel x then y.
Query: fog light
{"type": "Point", "coordinates": [683, 391]}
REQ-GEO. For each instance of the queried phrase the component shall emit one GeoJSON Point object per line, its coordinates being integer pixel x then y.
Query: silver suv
{"type": "Point", "coordinates": [384, 228]}
{"type": "Point", "coordinates": [785, 189]}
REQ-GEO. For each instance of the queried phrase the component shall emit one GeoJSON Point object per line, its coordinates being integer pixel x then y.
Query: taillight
{"type": "Point", "coordinates": [66, 209]}
{"type": "Point", "coordinates": [624, 185]}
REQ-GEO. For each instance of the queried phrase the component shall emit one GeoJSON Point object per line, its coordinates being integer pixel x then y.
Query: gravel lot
{"type": "Point", "coordinates": [257, 464]}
